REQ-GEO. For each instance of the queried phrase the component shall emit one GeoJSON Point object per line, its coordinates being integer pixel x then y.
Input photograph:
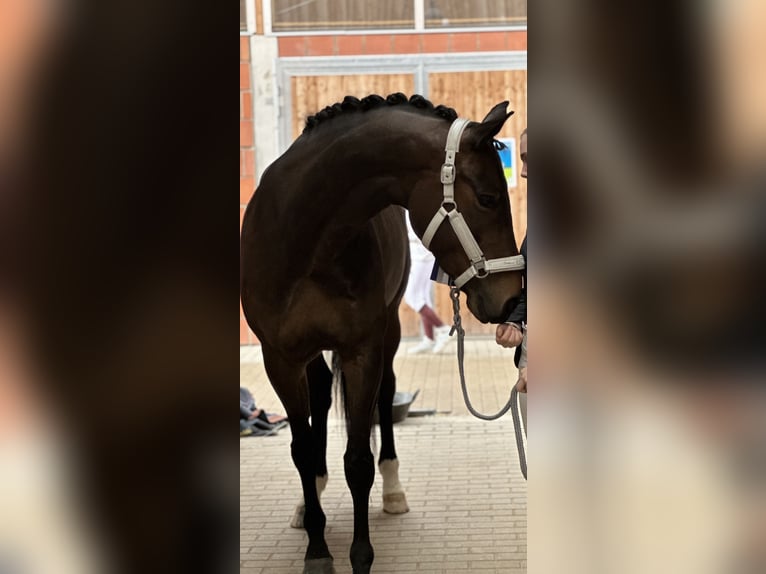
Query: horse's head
{"type": "Point", "coordinates": [481, 198]}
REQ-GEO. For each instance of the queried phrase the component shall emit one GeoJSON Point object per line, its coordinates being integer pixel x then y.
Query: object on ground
{"type": "Point", "coordinates": [401, 406]}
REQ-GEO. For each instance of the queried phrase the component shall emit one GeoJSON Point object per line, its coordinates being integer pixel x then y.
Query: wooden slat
{"type": "Point", "coordinates": [259, 16]}
{"type": "Point", "coordinates": [340, 14]}
{"type": "Point", "coordinates": [313, 93]}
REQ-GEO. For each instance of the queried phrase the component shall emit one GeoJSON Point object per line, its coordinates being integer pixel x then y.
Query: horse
{"type": "Point", "coordinates": [324, 265]}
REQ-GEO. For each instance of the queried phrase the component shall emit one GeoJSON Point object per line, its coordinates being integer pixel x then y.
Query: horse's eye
{"type": "Point", "coordinates": [488, 201]}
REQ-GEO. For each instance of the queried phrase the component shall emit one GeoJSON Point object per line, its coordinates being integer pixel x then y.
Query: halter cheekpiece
{"type": "Point", "coordinates": [479, 265]}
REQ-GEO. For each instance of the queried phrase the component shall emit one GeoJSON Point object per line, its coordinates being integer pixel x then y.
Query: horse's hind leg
{"type": "Point", "coordinates": [362, 374]}
{"type": "Point", "coordinates": [394, 499]}
{"type": "Point", "coordinates": [320, 397]}
{"type": "Point", "coordinates": [290, 383]}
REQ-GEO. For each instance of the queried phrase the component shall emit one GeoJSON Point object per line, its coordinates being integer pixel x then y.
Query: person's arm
{"type": "Point", "coordinates": [519, 313]}
{"type": "Point", "coordinates": [509, 333]}
{"type": "Point", "coordinates": [521, 384]}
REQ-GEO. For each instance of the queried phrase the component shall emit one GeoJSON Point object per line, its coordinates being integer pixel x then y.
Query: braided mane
{"type": "Point", "coordinates": [351, 104]}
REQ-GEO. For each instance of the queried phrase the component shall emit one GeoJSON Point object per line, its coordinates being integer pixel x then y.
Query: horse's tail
{"type": "Point", "coordinates": [339, 390]}
{"type": "Point", "coordinates": [339, 384]}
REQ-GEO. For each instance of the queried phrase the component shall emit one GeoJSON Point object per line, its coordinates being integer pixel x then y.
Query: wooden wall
{"type": "Point", "coordinates": [313, 93]}
{"type": "Point", "coordinates": [472, 94]}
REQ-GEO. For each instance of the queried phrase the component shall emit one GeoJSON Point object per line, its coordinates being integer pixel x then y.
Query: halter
{"type": "Point", "coordinates": [480, 266]}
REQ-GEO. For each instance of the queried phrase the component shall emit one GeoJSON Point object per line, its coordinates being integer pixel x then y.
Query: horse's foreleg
{"type": "Point", "coordinates": [299, 514]}
{"type": "Point", "coordinates": [290, 383]}
{"type": "Point", "coordinates": [394, 499]}
{"type": "Point", "coordinates": [362, 375]}
{"type": "Point", "coordinates": [320, 397]}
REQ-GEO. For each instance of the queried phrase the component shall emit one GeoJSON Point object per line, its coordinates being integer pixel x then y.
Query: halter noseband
{"type": "Point", "coordinates": [480, 266]}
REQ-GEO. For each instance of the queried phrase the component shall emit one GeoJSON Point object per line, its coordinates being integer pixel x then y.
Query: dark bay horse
{"type": "Point", "coordinates": [325, 262]}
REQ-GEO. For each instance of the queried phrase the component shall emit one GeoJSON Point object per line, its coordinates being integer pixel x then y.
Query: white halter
{"type": "Point", "coordinates": [480, 266]}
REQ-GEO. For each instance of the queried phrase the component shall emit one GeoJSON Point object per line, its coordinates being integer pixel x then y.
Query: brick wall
{"type": "Point", "coordinates": [246, 153]}
{"type": "Point", "coordinates": [385, 44]}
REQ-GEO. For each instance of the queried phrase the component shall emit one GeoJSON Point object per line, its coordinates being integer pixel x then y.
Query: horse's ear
{"type": "Point", "coordinates": [478, 134]}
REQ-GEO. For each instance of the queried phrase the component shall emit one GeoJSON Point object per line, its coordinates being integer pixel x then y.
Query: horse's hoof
{"type": "Point", "coordinates": [297, 520]}
{"type": "Point", "coordinates": [318, 566]}
{"type": "Point", "coordinates": [395, 503]}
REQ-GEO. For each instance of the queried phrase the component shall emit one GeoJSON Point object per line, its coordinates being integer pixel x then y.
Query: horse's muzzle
{"type": "Point", "coordinates": [508, 308]}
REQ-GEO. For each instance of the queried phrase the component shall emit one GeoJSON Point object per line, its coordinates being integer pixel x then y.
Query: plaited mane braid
{"type": "Point", "coordinates": [351, 104]}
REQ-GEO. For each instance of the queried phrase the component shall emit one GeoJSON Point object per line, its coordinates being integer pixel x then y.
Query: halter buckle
{"type": "Point", "coordinates": [448, 173]}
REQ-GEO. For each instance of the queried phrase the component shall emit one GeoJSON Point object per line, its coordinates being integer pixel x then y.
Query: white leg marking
{"type": "Point", "coordinates": [321, 485]}
{"type": "Point", "coordinates": [394, 500]}
{"type": "Point", "coordinates": [300, 508]}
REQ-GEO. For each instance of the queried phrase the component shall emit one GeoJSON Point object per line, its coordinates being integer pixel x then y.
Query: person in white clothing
{"type": "Point", "coordinates": [419, 296]}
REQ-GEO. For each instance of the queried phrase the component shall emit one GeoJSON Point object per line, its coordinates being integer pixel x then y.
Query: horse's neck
{"type": "Point", "coordinates": [363, 172]}
{"type": "Point", "coordinates": [341, 216]}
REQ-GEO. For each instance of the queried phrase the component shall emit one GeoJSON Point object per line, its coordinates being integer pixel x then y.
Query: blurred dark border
{"type": "Point", "coordinates": [633, 197]}
{"type": "Point", "coordinates": [129, 271]}
{"type": "Point", "coordinates": [646, 213]}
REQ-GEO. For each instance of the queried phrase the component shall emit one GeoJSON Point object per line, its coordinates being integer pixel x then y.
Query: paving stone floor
{"type": "Point", "coordinates": [466, 494]}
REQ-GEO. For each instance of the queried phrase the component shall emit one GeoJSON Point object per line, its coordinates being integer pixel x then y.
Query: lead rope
{"type": "Point", "coordinates": [513, 401]}
{"type": "Point", "coordinates": [517, 429]}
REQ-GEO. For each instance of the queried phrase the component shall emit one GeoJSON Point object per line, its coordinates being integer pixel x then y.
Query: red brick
{"type": "Point", "coordinates": [491, 41]}
{"type": "Point", "coordinates": [246, 185]}
{"type": "Point", "coordinates": [246, 113]}
{"type": "Point", "coordinates": [378, 44]}
{"type": "Point", "coordinates": [245, 134]}
{"type": "Point", "coordinates": [320, 46]}
{"type": "Point", "coordinates": [465, 42]}
{"type": "Point", "coordinates": [244, 333]}
{"type": "Point", "coordinates": [436, 43]}
{"type": "Point", "coordinates": [248, 163]}
{"type": "Point", "coordinates": [244, 49]}
{"type": "Point", "coordinates": [350, 45]}
{"type": "Point", "coordinates": [406, 44]}
{"type": "Point", "coordinates": [292, 46]}
{"type": "Point", "coordinates": [244, 76]}
{"type": "Point", "coordinates": [517, 41]}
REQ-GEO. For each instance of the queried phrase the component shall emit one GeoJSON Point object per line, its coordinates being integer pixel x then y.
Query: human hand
{"type": "Point", "coordinates": [521, 384]}
{"type": "Point", "coordinates": [508, 335]}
